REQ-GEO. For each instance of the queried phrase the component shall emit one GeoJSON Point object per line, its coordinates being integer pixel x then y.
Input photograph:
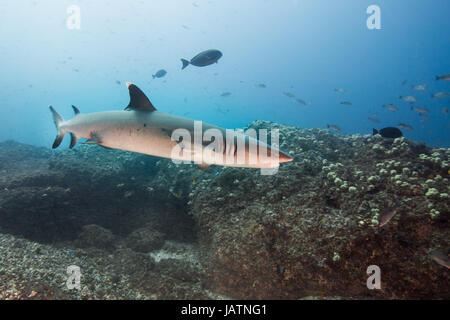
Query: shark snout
{"type": "Point", "coordinates": [284, 157]}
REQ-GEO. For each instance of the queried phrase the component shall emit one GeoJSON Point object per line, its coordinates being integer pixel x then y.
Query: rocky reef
{"type": "Point", "coordinates": [145, 228]}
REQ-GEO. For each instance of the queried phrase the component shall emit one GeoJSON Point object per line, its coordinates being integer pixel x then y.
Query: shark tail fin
{"type": "Point", "coordinates": [57, 119]}
{"type": "Point", "coordinates": [185, 63]}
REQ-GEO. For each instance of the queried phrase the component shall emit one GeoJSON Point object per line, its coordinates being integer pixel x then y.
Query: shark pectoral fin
{"type": "Point", "coordinates": [73, 140]}
{"type": "Point", "coordinates": [203, 166]}
{"type": "Point", "coordinates": [94, 139]}
{"type": "Point", "coordinates": [138, 99]}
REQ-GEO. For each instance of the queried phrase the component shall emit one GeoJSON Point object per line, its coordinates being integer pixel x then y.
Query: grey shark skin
{"type": "Point", "coordinates": [143, 129]}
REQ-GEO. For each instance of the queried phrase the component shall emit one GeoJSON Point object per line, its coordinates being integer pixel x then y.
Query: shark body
{"type": "Point", "coordinates": [143, 129]}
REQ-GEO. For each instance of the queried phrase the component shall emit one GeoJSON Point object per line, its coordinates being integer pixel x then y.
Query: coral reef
{"type": "Point", "coordinates": [168, 231]}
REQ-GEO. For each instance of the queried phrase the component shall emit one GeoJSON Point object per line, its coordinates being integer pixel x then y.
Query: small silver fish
{"type": "Point", "coordinates": [409, 99]}
{"type": "Point", "coordinates": [374, 119]}
{"type": "Point", "coordinates": [389, 213]}
{"type": "Point", "coordinates": [445, 77]}
{"type": "Point", "coordinates": [420, 110]}
{"type": "Point", "coordinates": [420, 87]}
{"type": "Point", "coordinates": [346, 103]}
{"type": "Point", "coordinates": [405, 126]}
{"type": "Point", "coordinates": [441, 258]}
{"type": "Point", "coordinates": [340, 90]}
{"type": "Point", "coordinates": [390, 107]}
{"type": "Point", "coordinates": [334, 127]}
{"type": "Point", "coordinates": [441, 95]}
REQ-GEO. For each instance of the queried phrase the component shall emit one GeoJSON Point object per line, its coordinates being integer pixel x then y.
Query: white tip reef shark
{"type": "Point", "coordinates": [143, 129]}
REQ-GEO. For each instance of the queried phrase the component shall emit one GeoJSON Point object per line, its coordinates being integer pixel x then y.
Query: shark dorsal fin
{"type": "Point", "coordinates": [75, 110]}
{"type": "Point", "coordinates": [138, 100]}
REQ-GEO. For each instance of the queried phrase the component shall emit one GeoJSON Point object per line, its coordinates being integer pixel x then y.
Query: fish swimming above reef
{"type": "Point", "coordinates": [420, 110]}
{"type": "Point", "coordinates": [300, 101]}
{"type": "Point", "coordinates": [445, 77]}
{"type": "Point", "coordinates": [203, 59]}
{"type": "Point", "coordinates": [143, 129]}
{"type": "Point", "coordinates": [390, 107]}
{"type": "Point", "coordinates": [420, 87]}
{"type": "Point", "coordinates": [441, 95]}
{"type": "Point", "coordinates": [405, 126]}
{"type": "Point", "coordinates": [388, 132]}
{"type": "Point", "coordinates": [288, 94]}
{"type": "Point", "coordinates": [441, 258]}
{"type": "Point", "coordinates": [334, 127]}
{"type": "Point", "coordinates": [409, 99]}
{"type": "Point", "coordinates": [388, 214]}
{"type": "Point", "coordinates": [373, 119]}
{"type": "Point", "coordinates": [161, 73]}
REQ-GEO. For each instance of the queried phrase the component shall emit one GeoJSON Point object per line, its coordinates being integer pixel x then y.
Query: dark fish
{"type": "Point", "coordinates": [388, 214]}
{"type": "Point", "coordinates": [261, 85]}
{"type": "Point", "coordinates": [441, 258]}
{"type": "Point", "coordinates": [404, 82]}
{"type": "Point", "coordinates": [117, 81]}
{"type": "Point", "coordinates": [203, 59]}
{"type": "Point", "coordinates": [161, 73]}
{"type": "Point", "coordinates": [445, 77]}
{"type": "Point", "coordinates": [405, 126]}
{"type": "Point", "coordinates": [300, 101]}
{"type": "Point", "coordinates": [226, 94]}
{"type": "Point", "coordinates": [374, 119]}
{"type": "Point", "coordinates": [445, 110]}
{"type": "Point", "coordinates": [388, 132]}
{"type": "Point", "coordinates": [346, 103]}
{"type": "Point", "coordinates": [288, 94]}
{"type": "Point", "coordinates": [334, 127]}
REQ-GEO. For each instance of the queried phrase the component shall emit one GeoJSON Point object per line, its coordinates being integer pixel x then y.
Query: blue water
{"type": "Point", "coordinates": [308, 48]}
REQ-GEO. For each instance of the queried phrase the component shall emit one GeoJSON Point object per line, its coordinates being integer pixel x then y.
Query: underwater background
{"type": "Point", "coordinates": [142, 227]}
{"type": "Point", "coordinates": [307, 48]}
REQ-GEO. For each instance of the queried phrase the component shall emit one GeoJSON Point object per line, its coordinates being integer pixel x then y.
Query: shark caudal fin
{"type": "Point", "coordinates": [185, 63]}
{"type": "Point", "coordinates": [57, 119]}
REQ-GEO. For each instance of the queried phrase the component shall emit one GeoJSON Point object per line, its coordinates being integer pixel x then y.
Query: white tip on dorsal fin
{"type": "Point", "coordinates": [138, 100]}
